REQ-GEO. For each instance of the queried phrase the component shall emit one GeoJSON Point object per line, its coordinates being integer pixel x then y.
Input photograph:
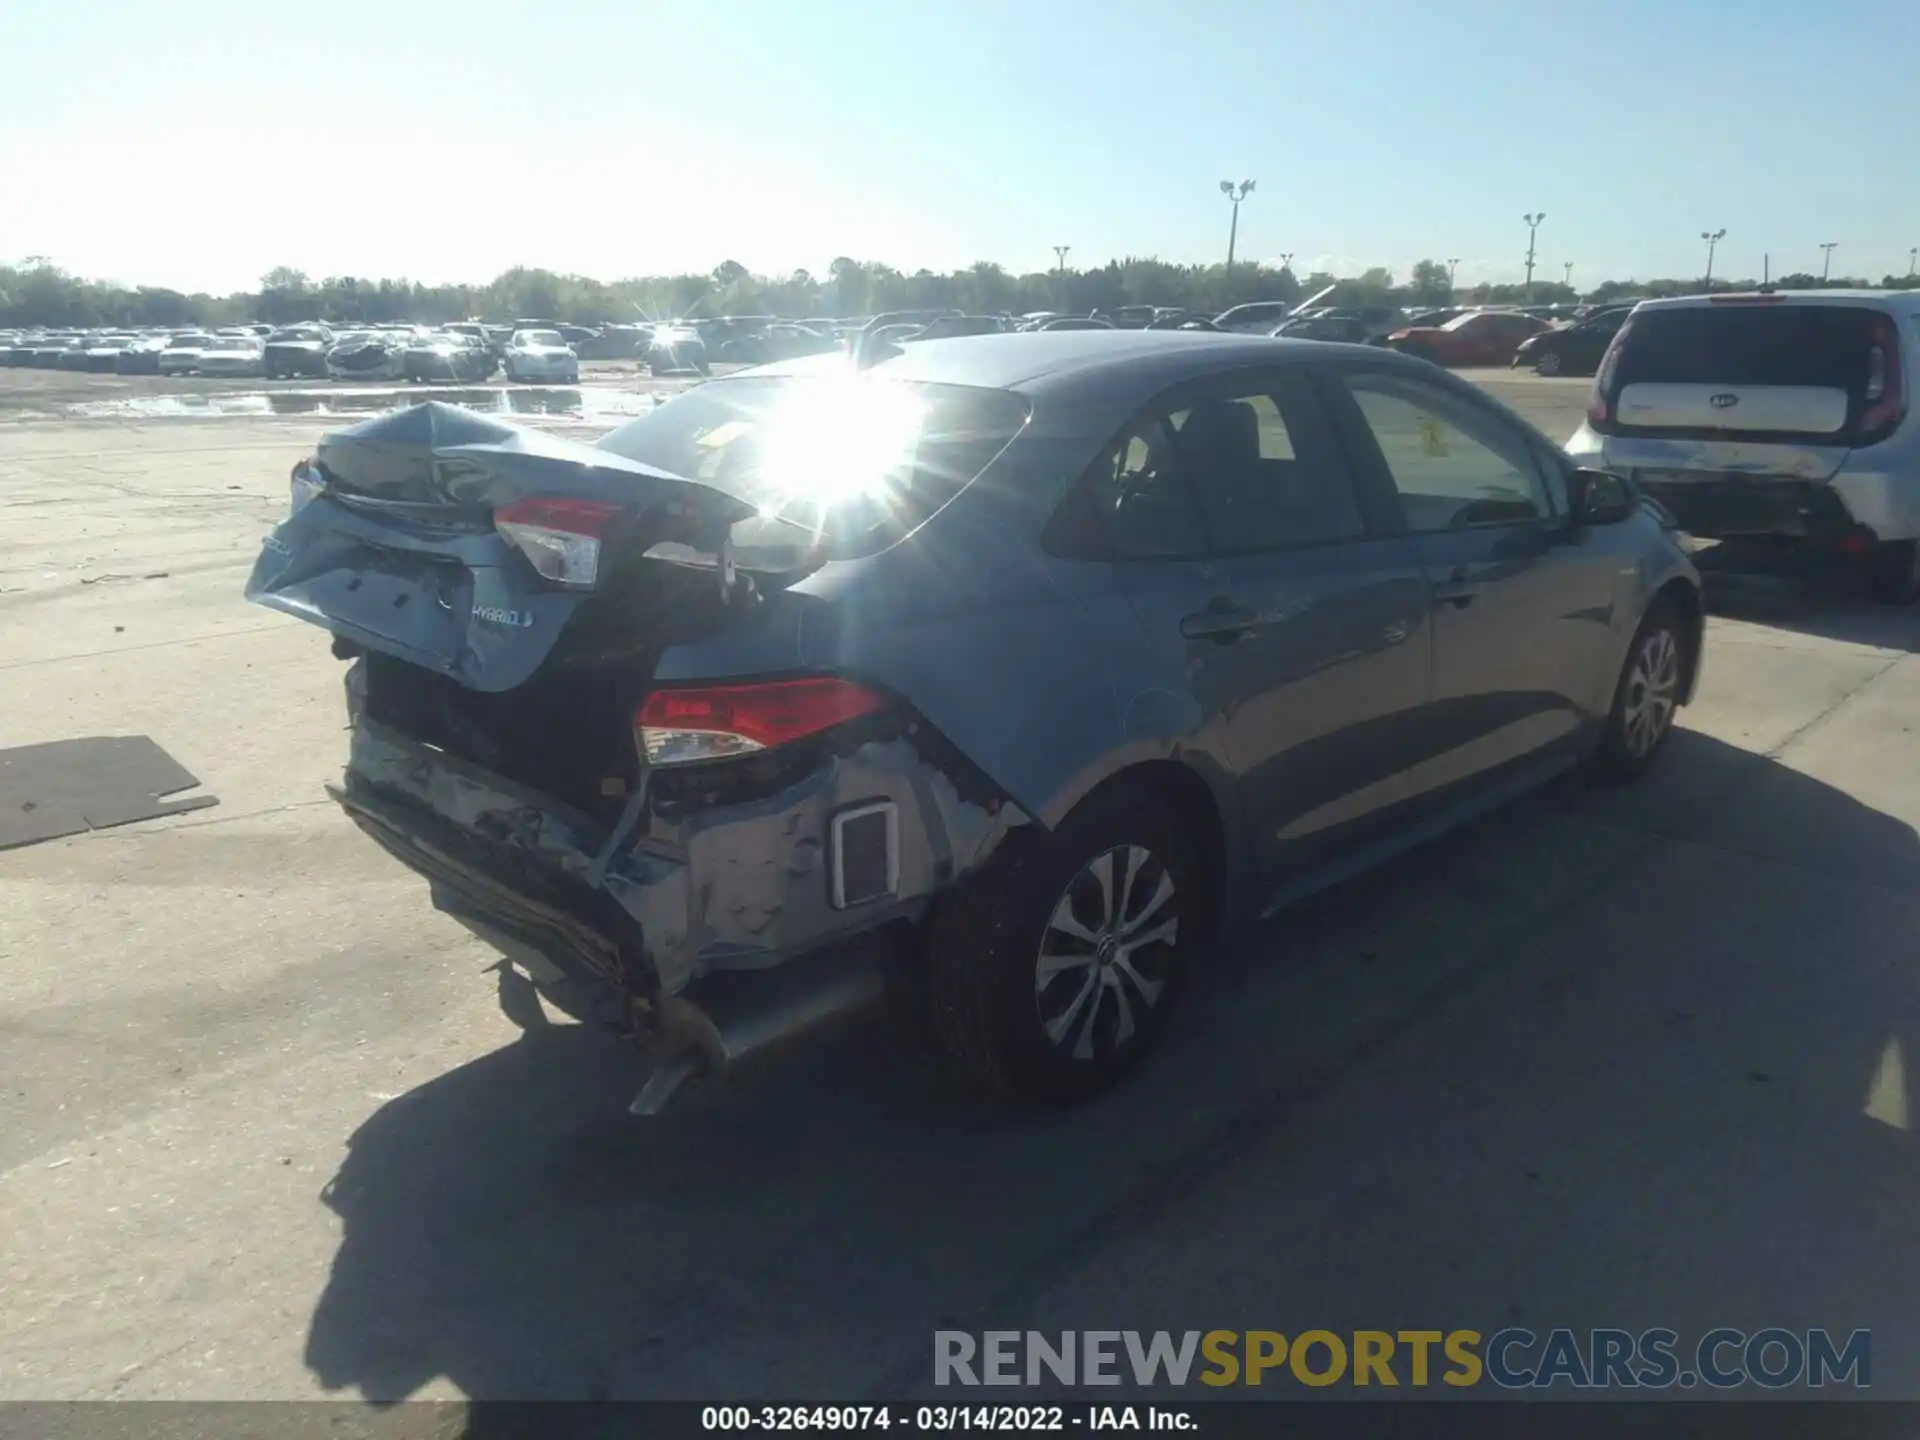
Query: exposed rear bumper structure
{"type": "Point", "coordinates": [707, 940]}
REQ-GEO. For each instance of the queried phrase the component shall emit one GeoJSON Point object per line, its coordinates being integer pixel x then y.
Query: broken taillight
{"type": "Point", "coordinates": [1885, 392]}
{"type": "Point", "coordinates": [681, 725]}
{"type": "Point", "coordinates": [1600, 402]}
{"type": "Point", "coordinates": [308, 483]}
{"type": "Point", "coordinates": [560, 537]}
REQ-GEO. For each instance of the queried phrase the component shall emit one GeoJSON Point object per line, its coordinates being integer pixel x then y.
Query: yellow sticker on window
{"type": "Point", "coordinates": [722, 434]}
{"type": "Point", "coordinates": [1432, 438]}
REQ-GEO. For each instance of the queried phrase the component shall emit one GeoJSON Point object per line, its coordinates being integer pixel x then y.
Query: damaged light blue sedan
{"type": "Point", "coordinates": [1004, 669]}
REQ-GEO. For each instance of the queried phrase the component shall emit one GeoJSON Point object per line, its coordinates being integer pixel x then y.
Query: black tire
{"type": "Point", "coordinates": [1549, 364]}
{"type": "Point", "coordinates": [1893, 573]}
{"type": "Point", "coordinates": [1651, 670]}
{"type": "Point", "coordinates": [988, 1002]}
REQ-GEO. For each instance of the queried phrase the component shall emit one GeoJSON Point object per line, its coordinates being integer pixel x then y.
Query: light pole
{"type": "Point", "coordinates": [1060, 255]}
{"type": "Point", "coordinates": [1453, 264]}
{"type": "Point", "coordinates": [1566, 274]}
{"type": "Point", "coordinates": [1826, 258]}
{"type": "Point", "coordinates": [1713, 238]}
{"type": "Point", "coordinates": [1236, 196]}
{"type": "Point", "coordinates": [1533, 226]}
{"type": "Point", "coordinates": [1286, 259]}
{"type": "Point", "coordinates": [1913, 259]}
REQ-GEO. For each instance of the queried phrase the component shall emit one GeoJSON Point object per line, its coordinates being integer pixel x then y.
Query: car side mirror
{"type": "Point", "coordinates": [1598, 497]}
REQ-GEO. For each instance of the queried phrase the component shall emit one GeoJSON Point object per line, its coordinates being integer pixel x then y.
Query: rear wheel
{"type": "Point", "coordinates": [1893, 574]}
{"type": "Point", "coordinates": [1549, 364]}
{"type": "Point", "coordinates": [1647, 695]}
{"type": "Point", "coordinates": [1054, 973]}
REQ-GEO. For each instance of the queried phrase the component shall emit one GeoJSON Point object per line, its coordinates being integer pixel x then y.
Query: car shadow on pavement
{"type": "Point", "coordinates": [1682, 977]}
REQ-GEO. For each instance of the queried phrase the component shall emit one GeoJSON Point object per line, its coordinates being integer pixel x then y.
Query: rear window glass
{"type": "Point", "coordinates": [1801, 345]}
{"type": "Point", "coordinates": [841, 465]}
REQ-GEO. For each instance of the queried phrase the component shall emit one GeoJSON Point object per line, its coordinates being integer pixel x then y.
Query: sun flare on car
{"type": "Point", "coordinates": [835, 441]}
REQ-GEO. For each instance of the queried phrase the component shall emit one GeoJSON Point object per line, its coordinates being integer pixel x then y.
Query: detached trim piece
{"type": "Point", "coordinates": [865, 846]}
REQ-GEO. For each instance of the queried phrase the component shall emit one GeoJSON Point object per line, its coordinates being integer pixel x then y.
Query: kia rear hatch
{"type": "Point", "coordinates": [1753, 384]}
{"type": "Point", "coordinates": [465, 544]}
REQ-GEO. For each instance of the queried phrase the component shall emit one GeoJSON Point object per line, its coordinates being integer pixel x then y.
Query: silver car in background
{"type": "Point", "coordinates": [235, 356]}
{"type": "Point", "coordinates": [540, 355]}
{"type": "Point", "coordinates": [1776, 421]}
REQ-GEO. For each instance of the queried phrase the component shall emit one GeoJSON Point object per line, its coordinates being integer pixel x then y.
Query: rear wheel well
{"type": "Point", "coordinates": [1181, 790]}
{"type": "Point", "coordinates": [1685, 599]}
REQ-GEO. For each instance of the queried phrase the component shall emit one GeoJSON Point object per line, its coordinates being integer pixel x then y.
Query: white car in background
{"type": "Point", "coordinates": [182, 355]}
{"type": "Point", "coordinates": [234, 355]}
{"type": "Point", "coordinates": [534, 355]}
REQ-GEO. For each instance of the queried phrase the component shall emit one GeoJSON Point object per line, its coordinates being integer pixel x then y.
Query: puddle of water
{"type": "Point", "coordinates": [583, 406]}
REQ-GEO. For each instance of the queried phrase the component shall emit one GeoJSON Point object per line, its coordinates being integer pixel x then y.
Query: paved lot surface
{"type": "Point", "coordinates": [1611, 1057]}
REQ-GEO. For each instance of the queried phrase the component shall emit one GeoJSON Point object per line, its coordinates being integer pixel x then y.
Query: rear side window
{"type": "Point", "coordinates": [1827, 346]}
{"type": "Point", "coordinates": [1263, 464]}
{"type": "Point", "coordinates": [851, 463]}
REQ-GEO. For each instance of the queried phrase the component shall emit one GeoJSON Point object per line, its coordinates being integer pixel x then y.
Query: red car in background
{"type": "Point", "coordinates": [1480, 337]}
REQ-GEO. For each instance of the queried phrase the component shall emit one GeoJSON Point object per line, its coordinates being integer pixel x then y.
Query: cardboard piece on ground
{"type": "Point", "coordinates": [69, 786]}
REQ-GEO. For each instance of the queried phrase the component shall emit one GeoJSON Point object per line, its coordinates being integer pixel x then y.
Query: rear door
{"type": "Point", "coordinates": [1323, 650]}
{"type": "Point", "coordinates": [1522, 610]}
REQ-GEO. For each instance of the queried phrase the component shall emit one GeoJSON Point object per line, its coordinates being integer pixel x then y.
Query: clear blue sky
{"type": "Point", "coordinates": [197, 143]}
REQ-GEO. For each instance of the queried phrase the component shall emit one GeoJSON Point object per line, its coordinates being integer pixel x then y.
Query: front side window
{"type": "Point", "coordinates": [1452, 466]}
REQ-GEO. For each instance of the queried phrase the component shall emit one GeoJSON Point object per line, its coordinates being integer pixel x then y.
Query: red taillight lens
{"type": "Point", "coordinates": [1886, 388]}
{"type": "Point", "coordinates": [559, 536]}
{"type": "Point", "coordinates": [1599, 403]}
{"type": "Point", "coordinates": [710, 722]}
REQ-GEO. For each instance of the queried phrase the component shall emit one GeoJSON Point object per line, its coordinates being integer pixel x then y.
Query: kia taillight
{"type": "Point", "coordinates": [679, 726]}
{"type": "Point", "coordinates": [1600, 402]}
{"type": "Point", "coordinates": [560, 537]}
{"type": "Point", "coordinates": [1885, 394]}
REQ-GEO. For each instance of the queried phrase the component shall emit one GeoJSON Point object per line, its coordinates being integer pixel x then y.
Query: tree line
{"type": "Point", "coordinates": [37, 292]}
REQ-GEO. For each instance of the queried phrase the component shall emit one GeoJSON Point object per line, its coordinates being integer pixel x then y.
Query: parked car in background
{"type": "Point", "coordinates": [143, 356]}
{"type": "Point", "coordinates": [450, 356]}
{"type": "Point", "coordinates": [951, 327]}
{"type": "Point", "coordinates": [234, 355]}
{"type": "Point", "coordinates": [541, 356]}
{"type": "Point", "coordinates": [182, 354]}
{"type": "Point", "coordinates": [101, 354]}
{"type": "Point", "coordinates": [52, 349]}
{"type": "Point", "coordinates": [297, 350]}
{"type": "Point", "coordinates": [1074, 322]}
{"type": "Point", "coordinates": [367, 355]}
{"type": "Point", "coordinates": [1204, 647]}
{"type": "Point", "coordinates": [1573, 349]}
{"type": "Point", "coordinates": [1778, 422]}
{"type": "Point", "coordinates": [1480, 337]}
{"type": "Point", "coordinates": [677, 350]}
{"type": "Point", "coordinates": [1257, 318]}
{"type": "Point", "coordinates": [775, 342]}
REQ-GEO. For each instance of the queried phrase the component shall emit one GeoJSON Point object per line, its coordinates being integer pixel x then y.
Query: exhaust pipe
{"type": "Point", "coordinates": [772, 1007]}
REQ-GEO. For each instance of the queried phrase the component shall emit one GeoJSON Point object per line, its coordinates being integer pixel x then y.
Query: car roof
{"type": "Point", "coordinates": [1037, 359]}
{"type": "Point", "coordinates": [1907, 301]}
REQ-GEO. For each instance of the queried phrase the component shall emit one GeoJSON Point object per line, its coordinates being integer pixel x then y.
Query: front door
{"type": "Point", "coordinates": [1522, 612]}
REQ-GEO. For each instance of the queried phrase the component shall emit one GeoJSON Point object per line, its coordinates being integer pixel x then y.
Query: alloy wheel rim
{"type": "Point", "coordinates": [1653, 681]}
{"type": "Point", "coordinates": [1105, 956]}
{"type": "Point", "coordinates": [1549, 364]}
